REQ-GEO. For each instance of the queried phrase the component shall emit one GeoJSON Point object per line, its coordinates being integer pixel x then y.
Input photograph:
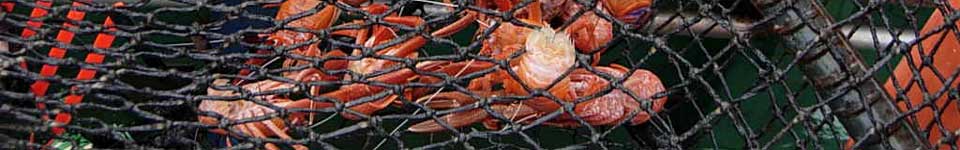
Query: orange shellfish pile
{"type": "Point", "coordinates": [537, 73]}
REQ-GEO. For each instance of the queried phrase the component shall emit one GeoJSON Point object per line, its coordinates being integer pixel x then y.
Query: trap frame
{"type": "Point", "coordinates": [763, 74]}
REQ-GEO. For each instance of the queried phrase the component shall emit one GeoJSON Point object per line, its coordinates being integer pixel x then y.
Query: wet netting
{"type": "Point", "coordinates": [479, 74]}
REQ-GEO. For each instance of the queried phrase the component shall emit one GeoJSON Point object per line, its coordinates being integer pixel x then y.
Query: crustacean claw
{"type": "Point", "coordinates": [615, 106]}
{"type": "Point", "coordinates": [645, 84]}
{"type": "Point", "coordinates": [590, 34]}
{"type": "Point", "coordinates": [635, 12]}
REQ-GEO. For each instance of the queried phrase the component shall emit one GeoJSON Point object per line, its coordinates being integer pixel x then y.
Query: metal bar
{"type": "Point", "coordinates": [829, 61]}
{"type": "Point", "coordinates": [666, 22]}
{"type": "Point", "coordinates": [860, 36]}
{"type": "Point", "coordinates": [864, 38]}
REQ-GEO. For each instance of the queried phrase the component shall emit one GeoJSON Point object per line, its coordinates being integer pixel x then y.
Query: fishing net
{"type": "Point", "coordinates": [796, 74]}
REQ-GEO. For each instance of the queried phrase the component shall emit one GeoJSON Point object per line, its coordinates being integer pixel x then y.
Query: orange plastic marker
{"type": "Point", "coordinates": [103, 41]}
{"type": "Point", "coordinates": [7, 6]}
{"type": "Point", "coordinates": [945, 60]}
{"type": "Point", "coordinates": [39, 88]}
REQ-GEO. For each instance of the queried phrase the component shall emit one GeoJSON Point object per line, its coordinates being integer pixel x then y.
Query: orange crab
{"type": "Point", "coordinates": [590, 32]}
{"type": "Point", "coordinates": [368, 37]}
{"type": "Point", "coordinates": [547, 54]}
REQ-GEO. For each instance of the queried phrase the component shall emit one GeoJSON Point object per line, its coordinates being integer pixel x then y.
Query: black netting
{"type": "Point", "coordinates": [479, 74]}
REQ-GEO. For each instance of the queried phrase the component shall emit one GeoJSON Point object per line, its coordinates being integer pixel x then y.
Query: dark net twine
{"type": "Point", "coordinates": [793, 74]}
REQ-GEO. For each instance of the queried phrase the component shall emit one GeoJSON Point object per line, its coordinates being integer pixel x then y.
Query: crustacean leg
{"type": "Point", "coordinates": [405, 49]}
{"type": "Point", "coordinates": [242, 109]}
{"type": "Point", "coordinates": [514, 112]}
{"type": "Point", "coordinates": [320, 20]}
{"type": "Point", "coordinates": [547, 53]}
{"type": "Point", "coordinates": [447, 68]}
{"type": "Point", "coordinates": [609, 109]}
{"type": "Point", "coordinates": [245, 109]}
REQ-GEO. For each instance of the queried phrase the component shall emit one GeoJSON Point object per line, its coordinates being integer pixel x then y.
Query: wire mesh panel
{"type": "Point", "coordinates": [479, 74]}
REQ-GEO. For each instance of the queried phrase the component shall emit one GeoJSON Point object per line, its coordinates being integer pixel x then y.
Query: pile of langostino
{"type": "Point", "coordinates": [537, 55]}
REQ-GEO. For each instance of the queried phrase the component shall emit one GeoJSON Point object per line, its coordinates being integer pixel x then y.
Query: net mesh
{"type": "Point", "coordinates": [646, 74]}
